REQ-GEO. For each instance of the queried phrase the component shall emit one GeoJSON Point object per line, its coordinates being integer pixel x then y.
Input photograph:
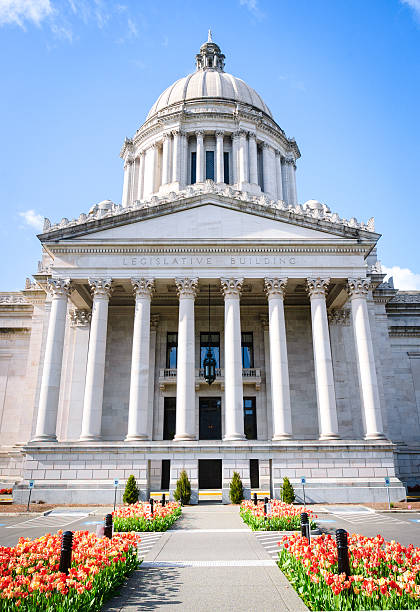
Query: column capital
{"type": "Point", "coordinates": [266, 146]}
{"type": "Point", "coordinates": [154, 321]}
{"type": "Point", "coordinates": [219, 134]}
{"type": "Point", "coordinates": [59, 287]}
{"type": "Point", "coordinates": [242, 133]}
{"type": "Point", "coordinates": [186, 287]}
{"type": "Point", "coordinates": [199, 133]}
{"type": "Point", "coordinates": [252, 134]}
{"type": "Point", "coordinates": [80, 317]}
{"type": "Point", "coordinates": [140, 153]}
{"type": "Point", "coordinates": [236, 135]}
{"type": "Point", "coordinates": [357, 287]}
{"type": "Point", "coordinates": [231, 287]}
{"type": "Point", "coordinates": [100, 287]}
{"type": "Point", "coordinates": [177, 132]}
{"type": "Point", "coordinates": [288, 159]}
{"type": "Point", "coordinates": [317, 287]}
{"type": "Point", "coordinates": [278, 153]}
{"type": "Point", "coordinates": [143, 287]}
{"type": "Point", "coordinates": [166, 135]}
{"type": "Point", "coordinates": [275, 287]}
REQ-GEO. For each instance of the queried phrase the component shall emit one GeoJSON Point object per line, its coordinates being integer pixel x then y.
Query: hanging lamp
{"type": "Point", "coordinates": [209, 363]}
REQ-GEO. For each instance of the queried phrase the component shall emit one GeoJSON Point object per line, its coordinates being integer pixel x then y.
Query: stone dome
{"type": "Point", "coordinates": [209, 81]}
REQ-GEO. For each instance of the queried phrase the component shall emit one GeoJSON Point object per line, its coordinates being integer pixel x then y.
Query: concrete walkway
{"type": "Point", "coordinates": [209, 561]}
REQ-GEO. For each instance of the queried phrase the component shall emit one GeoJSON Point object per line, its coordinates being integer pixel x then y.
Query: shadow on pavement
{"type": "Point", "coordinates": [147, 589]}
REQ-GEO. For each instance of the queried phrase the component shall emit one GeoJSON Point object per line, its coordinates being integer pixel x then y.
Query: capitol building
{"type": "Point", "coordinates": [209, 259]}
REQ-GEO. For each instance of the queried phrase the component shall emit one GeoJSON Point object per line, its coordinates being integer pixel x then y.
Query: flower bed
{"type": "Point", "coordinates": [30, 580]}
{"type": "Point", "coordinates": [6, 491]}
{"type": "Point", "coordinates": [282, 517]}
{"type": "Point", "coordinates": [137, 517]}
{"type": "Point", "coordinates": [386, 574]}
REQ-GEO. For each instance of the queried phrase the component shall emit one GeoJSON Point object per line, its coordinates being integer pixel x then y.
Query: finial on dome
{"type": "Point", "coordinates": [210, 56]}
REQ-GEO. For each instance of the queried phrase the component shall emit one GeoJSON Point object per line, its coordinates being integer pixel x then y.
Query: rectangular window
{"type": "Point", "coordinates": [247, 342]}
{"type": "Point", "coordinates": [254, 473]}
{"type": "Point", "coordinates": [210, 165]}
{"type": "Point", "coordinates": [171, 349]}
{"type": "Point", "coordinates": [250, 418]}
{"type": "Point", "coordinates": [193, 168]}
{"type": "Point", "coordinates": [226, 167]}
{"type": "Point", "coordinates": [260, 168]}
{"type": "Point", "coordinates": [169, 418]}
{"type": "Point", "coordinates": [165, 475]}
{"type": "Point", "coordinates": [214, 342]}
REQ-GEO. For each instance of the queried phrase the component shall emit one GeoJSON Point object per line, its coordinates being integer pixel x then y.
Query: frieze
{"type": "Point", "coordinates": [182, 260]}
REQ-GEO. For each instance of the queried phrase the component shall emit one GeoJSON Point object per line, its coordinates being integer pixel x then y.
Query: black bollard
{"type": "Point", "coordinates": [108, 526]}
{"type": "Point", "coordinates": [255, 499]}
{"type": "Point", "coordinates": [66, 548]}
{"type": "Point", "coordinates": [151, 505]}
{"type": "Point", "coordinates": [342, 552]}
{"type": "Point", "coordinates": [305, 527]}
{"type": "Point", "coordinates": [163, 502]}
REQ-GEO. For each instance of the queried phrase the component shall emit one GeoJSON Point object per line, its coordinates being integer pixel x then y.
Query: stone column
{"type": "Point", "coordinates": [269, 171]}
{"type": "Point", "coordinates": [185, 379]}
{"type": "Point", "coordinates": [166, 177]}
{"type": "Point", "coordinates": [176, 157]}
{"type": "Point", "coordinates": [154, 324]}
{"type": "Point", "coordinates": [220, 168]}
{"type": "Point", "coordinates": [128, 166]}
{"type": "Point", "coordinates": [253, 158]}
{"type": "Point", "coordinates": [289, 181]}
{"type": "Point", "coordinates": [235, 169]}
{"type": "Point", "coordinates": [139, 383]}
{"type": "Point", "coordinates": [183, 160]}
{"type": "Point", "coordinates": [324, 376]}
{"type": "Point", "coordinates": [358, 289]}
{"type": "Point", "coordinates": [95, 371]}
{"type": "Point", "coordinates": [243, 157]}
{"type": "Point", "coordinates": [46, 425]}
{"type": "Point", "coordinates": [140, 182]}
{"type": "Point", "coordinates": [293, 183]}
{"type": "Point", "coordinates": [275, 289]}
{"type": "Point", "coordinates": [234, 403]}
{"type": "Point", "coordinates": [200, 161]}
{"type": "Point", "coordinates": [279, 177]}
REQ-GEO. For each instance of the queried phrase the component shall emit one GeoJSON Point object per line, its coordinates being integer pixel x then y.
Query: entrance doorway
{"type": "Point", "coordinates": [210, 418]}
{"type": "Point", "coordinates": [209, 473]}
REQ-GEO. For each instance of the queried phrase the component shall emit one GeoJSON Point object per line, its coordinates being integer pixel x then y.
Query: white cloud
{"type": "Point", "coordinates": [252, 6]}
{"type": "Point", "coordinates": [404, 278]}
{"type": "Point", "coordinates": [32, 219]}
{"type": "Point", "coordinates": [414, 5]}
{"type": "Point", "coordinates": [18, 11]}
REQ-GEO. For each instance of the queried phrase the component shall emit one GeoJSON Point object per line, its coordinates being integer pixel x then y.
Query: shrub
{"type": "Point", "coordinates": [288, 493]}
{"type": "Point", "coordinates": [236, 492]}
{"type": "Point", "coordinates": [131, 493]}
{"type": "Point", "coordinates": [182, 492]}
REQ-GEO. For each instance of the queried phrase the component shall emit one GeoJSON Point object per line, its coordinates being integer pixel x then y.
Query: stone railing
{"type": "Point", "coordinates": [251, 376]}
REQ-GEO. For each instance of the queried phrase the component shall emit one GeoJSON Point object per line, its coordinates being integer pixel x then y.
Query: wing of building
{"type": "Point", "coordinates": [316, 360]}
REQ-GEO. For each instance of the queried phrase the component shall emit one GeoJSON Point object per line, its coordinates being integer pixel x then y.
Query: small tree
{"type": "Point", "coordinates": [131, 493]}
{"type": "Point", "coordinates": [236, 492]}
{"type": "Point", "coordinates": [288, 493]}
{"type": "Point", "coordinates": [182, 492]}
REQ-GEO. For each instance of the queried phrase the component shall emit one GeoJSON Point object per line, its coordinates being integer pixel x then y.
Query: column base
{"type": "Point", "coordinates": [375, 436]}
{"type": "Point", "coordinates": [330, 436]}
{"type": "Point", "coordinates": [280, 437]}
{"type": "Point", "coordinates": [234, 437]}
{"type": "Point", "coordinates": [136, 438]}
{"type": "Point", "coordinates": [183, 437]}
{"type": "Point", "coordinates": [89, 438]}
{"type": "Point", "coordinates": [44, 438]}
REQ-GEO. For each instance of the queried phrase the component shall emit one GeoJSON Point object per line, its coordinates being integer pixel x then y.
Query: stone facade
{"type": "Point", "coordinates": [329, 378]}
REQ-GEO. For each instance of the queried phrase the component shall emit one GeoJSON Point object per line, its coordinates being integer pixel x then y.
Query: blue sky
{"type": "Point", "coordinates": [341, 76]}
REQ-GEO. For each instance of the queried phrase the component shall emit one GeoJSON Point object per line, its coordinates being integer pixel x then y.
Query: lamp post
{"type": "Point", "coordinates": [209, 363]}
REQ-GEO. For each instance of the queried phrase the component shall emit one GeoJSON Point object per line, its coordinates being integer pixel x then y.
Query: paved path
{"type": "Point", "coordinates": [209, 561]}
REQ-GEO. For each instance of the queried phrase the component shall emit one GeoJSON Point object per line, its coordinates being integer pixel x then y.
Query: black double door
{"type": "Point", "coordinates": [210, 418]}
{"type": "Point", "coordinates": [209, 473]}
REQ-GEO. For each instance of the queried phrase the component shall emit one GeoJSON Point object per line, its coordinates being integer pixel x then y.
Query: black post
{"type": "Point", "coordinates": [151, 505]}
{"type": "Point", "coordinates": [305, 527]}
{"type": "Point", "coordinates": [29, 500]}
{"type": "Point", "coordinates": [108, 526]}
{"type": "Point", "coordinates": [66, 548]}
{"type": "Point", "coordinates": [342, 552]}
{"type": "Point", "coordinates": [163, 499]}
{"type": "Point", "coordinates": [255, 499]}
{"type": "Point", "coordinates": [115, 497]}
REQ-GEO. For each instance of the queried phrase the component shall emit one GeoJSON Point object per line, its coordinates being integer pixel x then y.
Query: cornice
{"type": "Point", "coordinates": [203, 194]}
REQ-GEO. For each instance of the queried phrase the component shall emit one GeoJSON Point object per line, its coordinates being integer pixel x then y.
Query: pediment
{"type": "Point", "coordinates": [207, 220]}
